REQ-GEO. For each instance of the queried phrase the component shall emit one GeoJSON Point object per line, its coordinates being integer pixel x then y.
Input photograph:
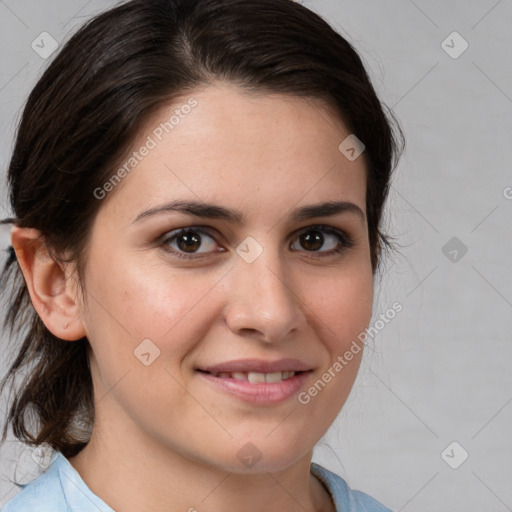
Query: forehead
{"type": "Point", "coordinates": [258, 152]}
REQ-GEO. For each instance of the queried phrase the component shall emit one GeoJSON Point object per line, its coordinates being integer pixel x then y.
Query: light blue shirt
{"type": "Point", "coordinates": [61, 489]}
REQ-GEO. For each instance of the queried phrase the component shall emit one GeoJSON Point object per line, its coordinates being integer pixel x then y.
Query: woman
{"type": "Point", "coordinates": [197, 188]}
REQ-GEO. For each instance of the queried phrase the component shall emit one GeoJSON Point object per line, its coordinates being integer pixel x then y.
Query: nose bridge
{"type": "Point", "coordinates": [263, 298]}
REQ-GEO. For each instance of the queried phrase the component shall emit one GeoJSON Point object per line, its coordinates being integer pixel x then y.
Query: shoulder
{"type": "Point", "coordinates": [59, 489]}
{"type": "Point", "coordinates": [346, 499]}
{"type": "Point", "coordinates": [44, 494]}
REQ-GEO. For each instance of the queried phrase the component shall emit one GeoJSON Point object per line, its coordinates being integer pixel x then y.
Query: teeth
{"type": "Point", "coordinates": [257, 377]}
{"type": "Point", "coordinates": [254, 377]}
{"type": "Point", "coordinates": [274, 377]}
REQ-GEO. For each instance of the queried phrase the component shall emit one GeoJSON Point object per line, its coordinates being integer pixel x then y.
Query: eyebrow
{"type": "Point", "coordinates": [213, 211]}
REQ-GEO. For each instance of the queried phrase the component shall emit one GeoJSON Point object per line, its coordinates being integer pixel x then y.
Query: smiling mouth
{"type": "Point", "coordinates": [255, 377]}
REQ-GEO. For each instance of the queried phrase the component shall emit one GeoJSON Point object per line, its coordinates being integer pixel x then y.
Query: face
{"type": "Point", "coordinates": [261, 279]}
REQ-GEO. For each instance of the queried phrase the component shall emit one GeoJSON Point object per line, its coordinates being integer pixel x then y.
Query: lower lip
{"type": "Point", "coordinates": [261, 393]}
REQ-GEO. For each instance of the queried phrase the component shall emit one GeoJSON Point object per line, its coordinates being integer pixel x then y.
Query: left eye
{"type": "Point", "coordinates": [314, 238]}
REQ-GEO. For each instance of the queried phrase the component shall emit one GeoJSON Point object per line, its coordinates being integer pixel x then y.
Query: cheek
{"type": "Point", "coordinates": [135, 302]}
{"type": "Point", "coordinates": [340, 312]}
{"type": "Point", "coordinates": [128, 307]}
{"type": "Point", "coordinates": [341, 307]}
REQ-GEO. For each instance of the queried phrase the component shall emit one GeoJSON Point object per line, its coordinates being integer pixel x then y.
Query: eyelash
{"type": "Point", "coordinates": [345, 242]}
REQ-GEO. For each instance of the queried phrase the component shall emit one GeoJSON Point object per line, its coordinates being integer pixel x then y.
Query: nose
{"type": "Point", "coordinates": [262, 300]}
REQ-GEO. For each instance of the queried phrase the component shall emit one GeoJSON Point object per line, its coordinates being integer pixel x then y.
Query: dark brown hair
{"type": "Point", "coordinates": [89, 106]}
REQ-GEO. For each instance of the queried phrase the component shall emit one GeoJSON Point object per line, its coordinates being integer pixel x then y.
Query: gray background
{"type": "Point", "coordinates": [438, 372]}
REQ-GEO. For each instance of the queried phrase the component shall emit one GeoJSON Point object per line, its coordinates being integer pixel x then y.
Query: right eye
{"type": "Point", "coordinates": [186, 242]}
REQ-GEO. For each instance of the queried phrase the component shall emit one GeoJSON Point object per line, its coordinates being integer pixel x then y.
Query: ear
{"type": "Point", "coordinates": [52, 288]}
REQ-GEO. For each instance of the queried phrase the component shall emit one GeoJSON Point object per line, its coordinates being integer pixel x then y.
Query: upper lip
{"type": "Point", "coordinates": [258, 366]}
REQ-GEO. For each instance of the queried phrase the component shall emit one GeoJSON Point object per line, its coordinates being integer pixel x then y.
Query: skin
{"type": "Point", "coordinates": [164, 438]}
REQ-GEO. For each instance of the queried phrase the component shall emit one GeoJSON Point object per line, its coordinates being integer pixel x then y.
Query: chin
{"type": "Point", "coordinates": [262, 455]}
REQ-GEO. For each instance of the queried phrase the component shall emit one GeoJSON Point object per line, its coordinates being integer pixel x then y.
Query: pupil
{"type": "Point", "coordinates": [189, 242]}
{"type": "Point", "coordinates": [316, 239]}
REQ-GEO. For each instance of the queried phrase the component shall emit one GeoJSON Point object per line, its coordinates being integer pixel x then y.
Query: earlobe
{"type": "Point", "coordinates": [51, 288]}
